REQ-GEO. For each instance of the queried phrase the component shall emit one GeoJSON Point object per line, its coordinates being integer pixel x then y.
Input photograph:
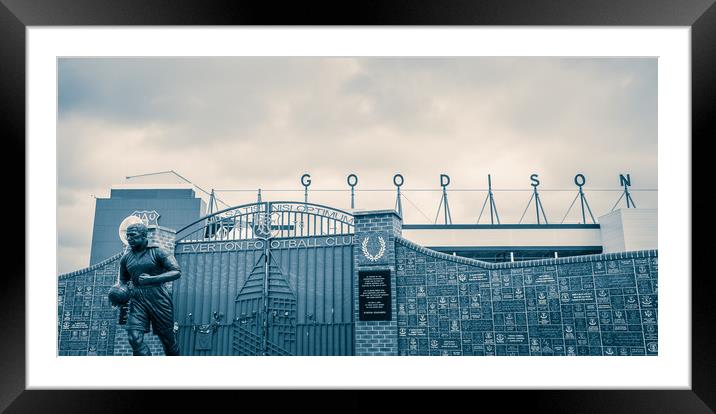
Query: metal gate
{"type": "Point", "coordinates": [267, 307]}
{"type": "Point", "coordinates": [271, 278]}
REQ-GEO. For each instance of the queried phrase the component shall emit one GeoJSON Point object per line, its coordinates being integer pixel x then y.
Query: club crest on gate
{"type": "Point", "coordinates": [263, 225]}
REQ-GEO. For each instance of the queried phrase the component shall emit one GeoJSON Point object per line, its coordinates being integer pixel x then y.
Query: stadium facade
{"type": "Point", "coordinates": [297, 278]}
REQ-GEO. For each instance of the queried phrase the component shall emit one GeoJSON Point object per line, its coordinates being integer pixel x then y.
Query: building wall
{"type": "Point", "coordinates": [87, 323]}
{"type": "Point", "coordinates": [629, 230]}
{"type": "Point", "coordinates": [587, 305]}
{"type": "Point", "coordinates": [612, 232]}
{"type": "Point", "coordinates": [640, 228]}
{"type": "Point", "coordinates": [506, 236]}
{"type": "Point", "coordinates": [176, 208]}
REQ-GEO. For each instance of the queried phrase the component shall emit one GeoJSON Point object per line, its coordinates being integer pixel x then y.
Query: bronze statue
{"type": "Point", "coordinates": [143, 270]}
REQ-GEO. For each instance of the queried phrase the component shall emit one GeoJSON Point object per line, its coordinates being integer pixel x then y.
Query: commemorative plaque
{"type": "Point", "coordinates": [374, 295]}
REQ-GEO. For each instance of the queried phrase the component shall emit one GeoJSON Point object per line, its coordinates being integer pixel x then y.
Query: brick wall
{"type": "Point", "coordinates": [122, 347]}
{"type": "Point", "coordinates": [376, 337]}
{"type": "Point", "coordinates": [584, 305]}
{"type": "Point", "coordinates": [87, 323]}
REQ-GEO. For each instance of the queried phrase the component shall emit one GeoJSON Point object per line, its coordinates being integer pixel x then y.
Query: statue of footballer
{"type": "Point", "coordinates": [143, 271]}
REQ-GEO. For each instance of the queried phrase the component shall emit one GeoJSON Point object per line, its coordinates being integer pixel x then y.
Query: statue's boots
{"type": "Point", "coordinates": [141, 350]}
{"type": "Point", "coordinates": [169, 341]}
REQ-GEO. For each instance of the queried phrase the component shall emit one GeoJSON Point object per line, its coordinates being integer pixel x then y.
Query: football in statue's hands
{"type": "Point", "coordinates": [118, 295]}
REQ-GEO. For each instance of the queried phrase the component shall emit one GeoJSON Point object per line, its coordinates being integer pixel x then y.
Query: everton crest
{"type": "Point", "coordinates": [148, 217]}
{"type": "Point", "coordinates": [264, 225]}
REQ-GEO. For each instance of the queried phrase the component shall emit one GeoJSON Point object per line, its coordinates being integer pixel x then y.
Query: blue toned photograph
{"type": "Point", "coordinates": [357, 206]}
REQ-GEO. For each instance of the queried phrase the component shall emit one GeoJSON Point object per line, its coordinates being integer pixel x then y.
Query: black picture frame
{"type": "Point", "coordinates": [700, 15]}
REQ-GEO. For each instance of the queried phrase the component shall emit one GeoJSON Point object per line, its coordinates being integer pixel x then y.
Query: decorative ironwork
{"type": "Point", "coordinates": [265, 220]}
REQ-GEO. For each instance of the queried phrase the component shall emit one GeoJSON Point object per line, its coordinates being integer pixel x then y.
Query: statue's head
{"type": "Point", "coordinates": [137, 235]}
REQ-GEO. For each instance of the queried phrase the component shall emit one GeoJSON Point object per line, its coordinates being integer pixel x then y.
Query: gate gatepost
{"type": "Point", "coordinates": [376, 326]}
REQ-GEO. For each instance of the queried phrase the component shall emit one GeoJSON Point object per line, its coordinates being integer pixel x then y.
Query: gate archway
{"type": "Point", "coordinates": [271, 278]}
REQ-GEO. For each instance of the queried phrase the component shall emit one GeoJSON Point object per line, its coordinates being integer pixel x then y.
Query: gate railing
{"type": "Point", "coordinates": [268, 220]}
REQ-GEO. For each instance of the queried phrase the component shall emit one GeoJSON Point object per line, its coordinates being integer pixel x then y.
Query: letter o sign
{"type": "Point", "coordinates": [579, 179]}
{"type": "Point", "coordinates": [398, 180]}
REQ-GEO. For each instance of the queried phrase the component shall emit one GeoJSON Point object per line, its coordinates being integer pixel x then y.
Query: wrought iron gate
{"type": "Point", "coordinates": [266, 306]}
{"type": "Point", "coordinates": [278, 275]}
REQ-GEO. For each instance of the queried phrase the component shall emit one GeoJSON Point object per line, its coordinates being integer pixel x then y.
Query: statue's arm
{"type": "Point", "coordinates": [124, 276]}
{"type": "Point", "coordinates": [145, 279]}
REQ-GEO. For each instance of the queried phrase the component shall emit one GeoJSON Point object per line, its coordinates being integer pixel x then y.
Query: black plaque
{"type": "Point", "coordinates": [374, 295]}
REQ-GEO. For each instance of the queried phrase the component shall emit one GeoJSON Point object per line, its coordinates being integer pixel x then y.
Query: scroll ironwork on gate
{"type": "Point", "coordinates": [274, 219]}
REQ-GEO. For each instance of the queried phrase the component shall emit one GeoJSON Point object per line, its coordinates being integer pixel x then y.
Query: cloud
{"type": "Point", "coordinates": [253, 122]}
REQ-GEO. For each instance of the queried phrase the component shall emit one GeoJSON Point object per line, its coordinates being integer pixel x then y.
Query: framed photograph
{"type": "Point", "coordinates": [102, 100]}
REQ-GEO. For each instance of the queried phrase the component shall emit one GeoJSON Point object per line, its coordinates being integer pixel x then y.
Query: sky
{"type": "Point", "coordinates": [237, 124]}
